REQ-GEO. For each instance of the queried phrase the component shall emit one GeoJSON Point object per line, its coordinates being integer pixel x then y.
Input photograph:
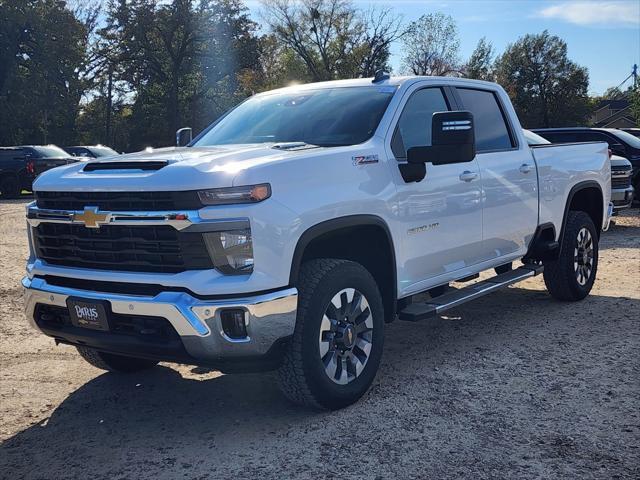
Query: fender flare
{"type": "Point", "coordinates": [340, 223]}
{"type": "Point", "coordinates": [575, 189]}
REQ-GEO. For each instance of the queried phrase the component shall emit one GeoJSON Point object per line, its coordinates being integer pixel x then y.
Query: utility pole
{"type": "Point", "coordinates": [109, 106]}
{"type": "Point", "coordinates": [634, 74]}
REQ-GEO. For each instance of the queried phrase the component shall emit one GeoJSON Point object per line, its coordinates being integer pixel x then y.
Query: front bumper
{"type": "Point", "coordinates": [270, 320]}
{"type": "Point", "coordinates": [622, 198]}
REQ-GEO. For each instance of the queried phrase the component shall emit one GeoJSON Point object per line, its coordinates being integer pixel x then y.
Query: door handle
{"type": "Point", "coordinates": [526, 168]}
{"type": "Point", "coordinates": [468, 176]}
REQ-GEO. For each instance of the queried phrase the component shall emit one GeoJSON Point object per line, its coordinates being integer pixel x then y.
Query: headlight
{"type": "Point", "coordinates": [231, 251]}
{"type": "Point", "coordinates": [231, 195]}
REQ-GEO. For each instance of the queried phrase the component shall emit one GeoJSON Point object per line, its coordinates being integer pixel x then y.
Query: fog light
{"type": "Point", "coordinates": [234, 323]}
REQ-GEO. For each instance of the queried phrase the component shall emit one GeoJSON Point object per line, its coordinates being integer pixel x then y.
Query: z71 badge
{"type": "Point", "coordinates": [365, 159]}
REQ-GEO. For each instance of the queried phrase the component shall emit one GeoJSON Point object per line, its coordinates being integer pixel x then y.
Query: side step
{"type": "Point", "coordinates": [420, 311]}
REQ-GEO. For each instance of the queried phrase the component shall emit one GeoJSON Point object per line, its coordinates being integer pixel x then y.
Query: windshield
{"type": "Point", "coordinates": [102, 151]}
{"type": "Point", "coordinates": [627, 138]}
{"type": "Point", "coordinates": [534, 138]}
{"type": "Point", "coordinates": [324, 117]}
{"type": "Point", "coordinates": [50, 151]}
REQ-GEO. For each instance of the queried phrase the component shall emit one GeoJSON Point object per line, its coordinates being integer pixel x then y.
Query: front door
{"type": "Point", "coordinates": [439, 218]}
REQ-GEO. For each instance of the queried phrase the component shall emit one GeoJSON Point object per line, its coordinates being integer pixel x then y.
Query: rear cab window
{"type": "Point", "coordinates": [491, 129]}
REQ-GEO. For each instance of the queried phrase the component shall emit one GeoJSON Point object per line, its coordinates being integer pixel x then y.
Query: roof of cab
{"type": "Point", "coordinates": [368, 82]}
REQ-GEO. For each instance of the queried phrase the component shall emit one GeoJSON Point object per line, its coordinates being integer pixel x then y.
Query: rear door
{"type": "Point", "coordinates": [509, 178]}
{"type": "Point", "coordinates": [439, 217]}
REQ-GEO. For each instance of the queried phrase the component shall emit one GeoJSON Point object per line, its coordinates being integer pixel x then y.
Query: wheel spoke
{"type": "Point", "coordinates": [364, 346]}
{"type": "Point", "coordinates": [355, 303]}
{"type": "Point", "coordinates": [343, 377]}
{"type": "Point", "coordinates": [331, 364]}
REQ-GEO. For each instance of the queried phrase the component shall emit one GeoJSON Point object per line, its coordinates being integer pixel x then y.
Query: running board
{"type": "Point", "coordinates": [415, 312]}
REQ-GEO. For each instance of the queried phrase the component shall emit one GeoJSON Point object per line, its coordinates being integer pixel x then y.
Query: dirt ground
{"type": "Point", "coordinates": [515, 385]}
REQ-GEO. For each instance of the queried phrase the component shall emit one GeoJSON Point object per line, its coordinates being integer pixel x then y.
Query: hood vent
{"type": "Point", "coordinates": [293, 146]}
{"type": "Point", "coordinates": [125, 165]}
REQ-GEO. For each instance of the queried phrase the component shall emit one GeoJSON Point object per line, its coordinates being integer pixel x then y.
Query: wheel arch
{"type": "Point", "coordinates": [586, 197]}
{"type": "Point", "coordinates": [353, 237]}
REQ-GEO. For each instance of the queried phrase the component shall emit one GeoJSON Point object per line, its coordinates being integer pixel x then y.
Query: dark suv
{"type": "Point", "coordinates": [621, 143]}
{"type": "Point", "coordinates": [19, 166]}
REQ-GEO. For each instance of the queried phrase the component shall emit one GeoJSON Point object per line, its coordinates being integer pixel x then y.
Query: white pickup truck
{"type": "Point", "coordinates": [288, 232]}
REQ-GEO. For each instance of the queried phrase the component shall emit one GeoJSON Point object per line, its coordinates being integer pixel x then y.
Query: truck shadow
{"type": "Point", "coordinates": [158, 415]}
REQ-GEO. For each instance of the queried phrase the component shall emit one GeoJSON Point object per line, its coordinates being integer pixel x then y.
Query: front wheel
{"type": "Point", "coordinates": [115, 363]}
{"type": "Point", "coordinates": [336, 347]}
{"type": "Point", "coordinates": [570, 277]}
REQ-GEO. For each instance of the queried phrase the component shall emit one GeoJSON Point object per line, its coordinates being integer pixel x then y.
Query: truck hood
{"type": "Point", "coordinates": [166, 169]}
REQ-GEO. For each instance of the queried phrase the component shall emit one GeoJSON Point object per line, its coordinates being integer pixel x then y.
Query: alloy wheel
{"type": "Point", "coordinates": [346, 335]}
{"type": "Point", "coordinates": [583, 256]}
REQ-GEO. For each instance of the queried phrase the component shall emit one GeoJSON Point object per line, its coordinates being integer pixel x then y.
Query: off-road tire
{"type": "Point", "coordinates": [302, 376]}
{"type": "Point", "coordinates": [9, 188]}
{"type": "Point", "coordinates": [560, 274]}
{"type": "Point", "coordinates": [115, 363]}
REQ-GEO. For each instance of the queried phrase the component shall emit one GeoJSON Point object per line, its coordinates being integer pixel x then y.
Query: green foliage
{"type": "Point", "coordinates": [546, 88]}
{"type": "Point", "coordinates": [182, 59]}
{"type": "Point", "coordinates": [634, 98]}
{"type": "Point", "coordinates": [42, 53]}
{"type": "Point", "coordinates": [480, 64]}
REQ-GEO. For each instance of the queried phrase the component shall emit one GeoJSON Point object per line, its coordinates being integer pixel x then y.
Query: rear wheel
{"type": "Point", "coordinates": [336, 347]}
{"type": "Point", "coordinates": [9, 187]}
{"type": "Point", "coordinates": [115, 363]}
{"type": "Point", "coordinates": [571, 276]}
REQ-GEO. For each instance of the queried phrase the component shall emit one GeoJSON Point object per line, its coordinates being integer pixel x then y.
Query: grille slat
{"type": "Point", "coordinates": [160, 249]}
{"type": "Point", "coordinates": [624, 182]}
{"type": "Point", "coordinates": [119, 201]}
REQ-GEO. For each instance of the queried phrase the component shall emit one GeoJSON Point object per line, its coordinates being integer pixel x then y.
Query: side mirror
{"type": "Point", "coordinates": [183, 137]}
{"type": "Point", "coordinates": [452, 140]}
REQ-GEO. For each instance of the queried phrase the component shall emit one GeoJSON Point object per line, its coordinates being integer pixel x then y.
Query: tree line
{"type": "Point", "coordinates": [128, 73]}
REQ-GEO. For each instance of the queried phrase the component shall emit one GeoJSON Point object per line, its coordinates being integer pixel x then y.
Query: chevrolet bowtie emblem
{"type": "Point", "coordinates": [91, 218]}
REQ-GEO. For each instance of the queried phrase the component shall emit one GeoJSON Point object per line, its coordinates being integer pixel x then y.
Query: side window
{"type": "Point", "coordinates": [491, 129]}
{"type": "Point", "coordinates": [414, 126]}
{"type": "Point", "coordinates": [596, 137]}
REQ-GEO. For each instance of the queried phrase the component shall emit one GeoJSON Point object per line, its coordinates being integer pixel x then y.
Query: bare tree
{"type": "Point", "coordinates": [381, 29]}
{"type": "Point", "coordinates": [431, 46]}
{"type": "Point", "coordinates": [332, 37]}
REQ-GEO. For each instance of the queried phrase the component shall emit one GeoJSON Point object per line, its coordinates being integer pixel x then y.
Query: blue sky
{"type": "Point", "coordinates": [604, 36]}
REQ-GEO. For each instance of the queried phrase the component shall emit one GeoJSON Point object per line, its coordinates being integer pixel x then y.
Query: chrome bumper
{"type": "Point", "coordinates": [609, 215]}
{"type": "Point", "coordinates": [270, 316]}
{"type": "Point", "coordinates": [622, 198]}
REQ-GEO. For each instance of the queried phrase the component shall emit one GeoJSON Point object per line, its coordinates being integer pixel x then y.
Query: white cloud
{"type": "Point", "coordinates": [595, 13]}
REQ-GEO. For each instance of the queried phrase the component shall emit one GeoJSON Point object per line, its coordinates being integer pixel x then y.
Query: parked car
{"type": "Point", "coordinates": [19, 166]}
{"type": "Point", "coordinates": [288, 232]}
{"type": "Point", "coordinates": [622, 192]}
{"type": "Point", "coordinates": [633, 131]}
{"type": "Point", "coordinates": [621, 143]}
{"type": "Point", "coordinates": [91, 151]}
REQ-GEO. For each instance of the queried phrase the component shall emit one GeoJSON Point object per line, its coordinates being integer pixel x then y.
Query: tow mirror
{"type": "Point", "coordinates": [184, 137]}
{"type": "Point", "coordinates": [452, 140]}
